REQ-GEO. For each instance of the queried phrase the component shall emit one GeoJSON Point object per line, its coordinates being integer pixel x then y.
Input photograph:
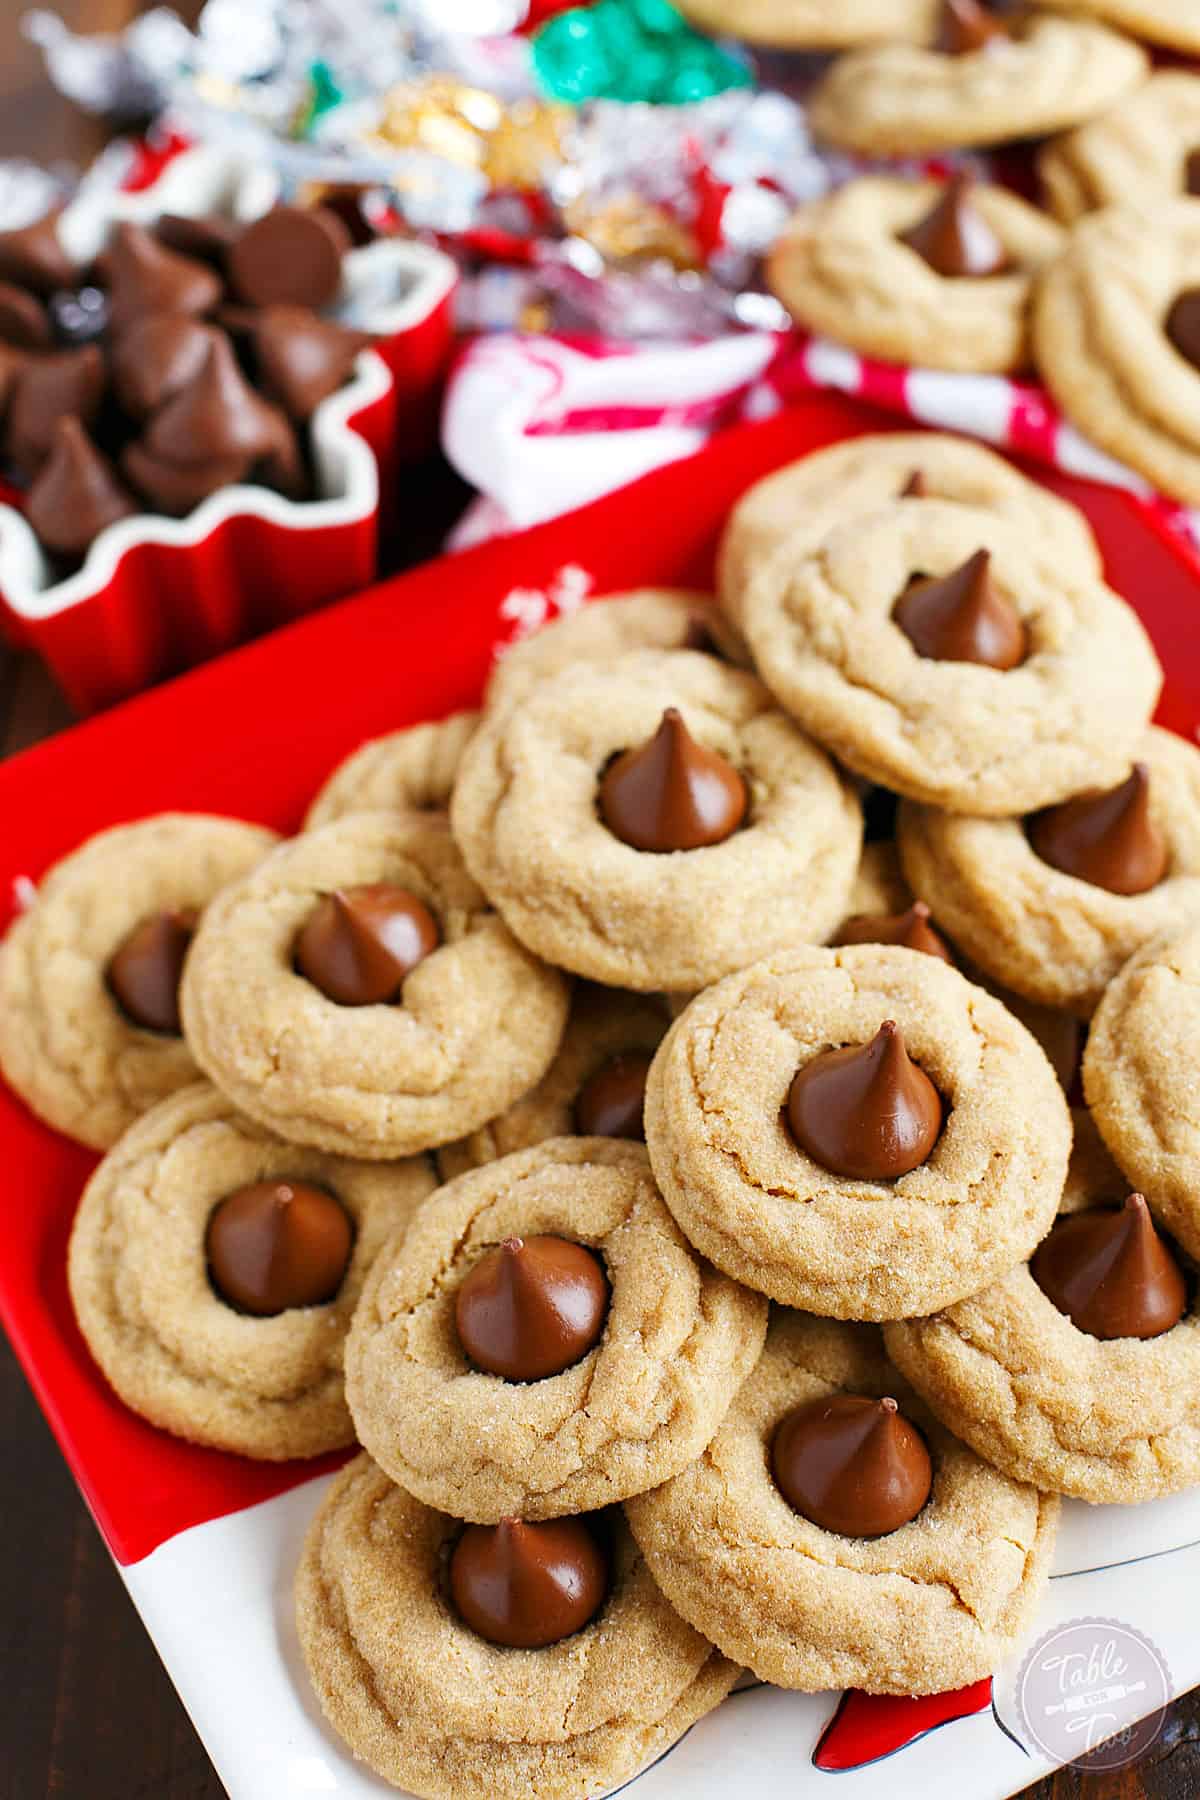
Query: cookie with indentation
{"type": "Point", "coordinates": [473, 1025]}
{"type": "Point", "coordinates": [1143, 150]}
{"type": "Point", "coordinates": [1062, 707]}
{"type": "Point", "coordinates": [843, 268]}
{"type": "Point", "coordinates": [528, 813]}
{"type": "Point", "coordinates": [267, 1385]}
{"type": "Point", "coordinates": [904, 99]}
{"type": "Point", "coordinates": [676, 1341]}
{"type": "Point", "coordinates": [432, 1708]}
{"type": "Point", "coordinates": [1046, 932]}
{"type": "Point", "coordinates": [937, 1603]}
{"type": "Point", "coordinates": [73, 1052]}
{"type": "Point", "coordinates": [407, 771]}
{"type": "Point", "coordinates": [782, 1218]}
{"type": "Point", "coordinates": [1111, 1420]}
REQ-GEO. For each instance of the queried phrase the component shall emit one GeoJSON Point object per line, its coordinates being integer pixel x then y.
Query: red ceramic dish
{"type": "Point", "coordinates": [226, 738]}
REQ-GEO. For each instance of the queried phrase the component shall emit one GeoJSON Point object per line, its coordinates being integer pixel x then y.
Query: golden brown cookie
{"type": "Point", "coordinates": [1101, 340]}
{"type": "Point", "coordinates": [899, 99]}
{"type": "Point", "coordinates": [771, 1215]}
{"type": "Point", "coordinates": [66, 1045]}
{"type": "Point", "coordinates": [1052, 936]}
{"type": "Point", "coordinates": [1136, 153]}
{"type": "Point", "coordinates": [815, 24]}
{"type": "Point", "coordinates": [605, 1026]}
{"type": "Point", "coordinates": [1113, 1420]}
{"type": "Point", "coordinates": [434, 1709]}
{"type": "Point", "coordinates": [172, 1347]}
{"type": "Point", "coordinates": [825, 634]}
{"type": "Point", "coordinates": [936, 1604]}
{"type": "Point", "coordinates": [1140, 1082]}
{"type": "Point", "coordinates": [677, 1341]}
{"type": "Point", "coordinates": [477, 1025]}
{"type": "Point", "coordinates": [408, 771]}
{"type": "Point", "coordinates": [526, 814]}
{"type": "Point", "coordinates": [1172, 23]}
{"type": "Point", "coordinates": [842, 268]}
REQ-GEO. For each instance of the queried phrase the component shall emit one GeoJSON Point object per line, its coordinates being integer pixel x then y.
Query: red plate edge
{"type": "Point", "coordinates": [254, 733]}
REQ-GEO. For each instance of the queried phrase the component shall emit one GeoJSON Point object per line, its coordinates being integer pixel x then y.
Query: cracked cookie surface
{"type": "Point", "coordinates": [1139, 1076]}
{"type": "Point", "coordinates": [1055, 938]}
{"type": "Point", "coordinates": [841, 268]}
{"type": "Point", "coordinates": [937, 1604]}
{"type": "Point", "coordinates": [678, 1340]}
{"type": "Point", "coordinates": [478, 1024]}
{"type": "Point", "coordinates": [433, 1709]}
{"type": "Point", "coordinates": [174, 1351]}
{"type": "Point", "coordinates": [761, 1209]}
{"type": "Point", "coordinates": [65, 1045]}
{"type": "Point", "coordinates": [407, 771]}
{"type": "Point", "coordinates": [525, 813]}
{"type": "Point", "coordinates": [899, 99]}
{"type": "Point", "coordinates": [1112, 1421]}
{"type": "Point", "coordinates": [960, 735]}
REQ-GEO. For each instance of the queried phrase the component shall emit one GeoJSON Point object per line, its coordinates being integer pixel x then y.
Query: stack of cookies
{"type": "Point", "coordinates": [690, 1208]}
{"type": "Point", "coordinates": [1096, 283]}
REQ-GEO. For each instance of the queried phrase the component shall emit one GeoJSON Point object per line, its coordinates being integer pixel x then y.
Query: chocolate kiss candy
{"type": "Point", "coordinates": [962, 617]}
{"type": "Point", "coordinates": [177, 488]}
{"type": "Point", "coordinates": [852, 1465]}
{"type": "Point", "coordinates": [76, 494]}
{"type": "Point", "coordinates": [206, 237]}
{"type": "Point", "coordinates": [33, 256]}
{"type": "Point", "coordinates": [966, 25]}
{"type": "Point", "coordinates": [1107, 838]}
{"type": "Point", "coordinates": [302, 358]}
{"type": "Point", "coordinates": [155, 356]}
{"type": "Point", "coordinates": [532, 1308]}
{"type": "Point", "coordinates": [1191, 173]}
{"type": "Point", "coordinates": [910, 929]}
{"type": "Point", "coordinates": [143, 973]}
{"type": "Point", "coordinates": [216, 414]}
{"type": "Point", "coordinates": [524, 1586]}
{"type": "Point", "coordinates": [69, 381]}
{"type": "Point", "coordinates": [1183, 326]}
{"type": "Point", "coordinates": [672, 793]}
{"type": "Point", "coordinates": [289, 257]}
{"type": "Point", "coordinates": [610, 1102]}
{"type": "Point", "coordinates": [1111, 1273]}
{"type": "Point", "coordinates": [916, 487]}
{"type": "Point", "coordinates": [23, 319]}
{"type": "Point", "coordinates": [359, 943]}
{"type": "Point", "coordinates": [954, 238]}
{"type": "Point", "coordinates": [145, 277]}
{"type": "Point", "coordinates": [278, 1244]}
{"type": "Point", "coordinates": [866, 1112]}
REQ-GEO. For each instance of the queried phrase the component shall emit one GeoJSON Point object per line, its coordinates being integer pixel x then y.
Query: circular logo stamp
{"type": "Point", "coordinates": [1092, 1694]}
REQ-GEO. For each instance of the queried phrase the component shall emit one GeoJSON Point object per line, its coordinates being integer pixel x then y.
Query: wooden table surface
{"type": "Point", "coordinates": [86, 1711]}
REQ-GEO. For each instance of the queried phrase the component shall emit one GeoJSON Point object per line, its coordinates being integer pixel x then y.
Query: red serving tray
{"type": "Point", "coordinates": [255, 733]}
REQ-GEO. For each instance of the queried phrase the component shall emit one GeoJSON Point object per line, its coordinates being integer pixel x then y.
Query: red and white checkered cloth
{"type": "Point", "coordinates": [544, 424]}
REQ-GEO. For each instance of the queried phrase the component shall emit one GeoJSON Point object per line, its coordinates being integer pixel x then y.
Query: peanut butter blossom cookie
{"type": "Point", "coordinates": [1080, 1371]}
{"type": "Point", "coordinates": [619, 806]}
{"type": "Point", "coordinates": [1139, 1078]}
{"type": "Point", "coordinates": [928, 649]}
{"type": "Point", "coordinates": [1117, 338]}
{"type": "Point", "coordinates": [834, 1535]}
{"type": "Point", "coordinates": [214, 1270]}
{"type": "Point", "coordinates": [493, 1662]}
{"type": "Point", "coordinates": [860, 1132]}
{"type": "Point", "coordinates": [1053, 903]}
{"type": "Point", "coordinates": [407, 771]}
{"type": "Point", "coordinates": [595, 1087]}
{"type": "Point", "coordinates": [89, 976]}
{"type": "Point", "coordinates": [359, 994]}
{"type": "Point", "coordinates": [987, 78]}
{"type": "Point", "coordinates": [1145, 149]}
{"type": "Point", "coordinates": [916, 271]}
{"type": "Point", "coordinates": [545, 1340]}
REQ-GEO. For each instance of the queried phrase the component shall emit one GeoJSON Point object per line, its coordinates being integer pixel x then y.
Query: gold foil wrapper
{"type": "Point", "coordinates": [625, 228]}
{"type": "Point", "coordinates": [515, 147]}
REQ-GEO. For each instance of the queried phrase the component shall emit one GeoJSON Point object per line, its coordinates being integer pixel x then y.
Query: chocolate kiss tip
{"type": "Point", "coordinates": [513, 1245]}
{"type": "Point", "coordinates": [889, 1406]}
{"type": "Point", "coordinates": [866, 1112]}
{"type": "Point", "coordinates": [1108, 838]}
{"type": "Point", "coordinates": [916, 487]}
{"type": "Point", "coordinates": [672, 793]}
{"type": "Point", "coordinates": [963, 617]}
{"type": "Point", "coordinates": [921, 910]}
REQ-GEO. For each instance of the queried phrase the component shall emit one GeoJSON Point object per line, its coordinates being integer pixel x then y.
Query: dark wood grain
{"type": "Point", "coordinates": [86, 1710]}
